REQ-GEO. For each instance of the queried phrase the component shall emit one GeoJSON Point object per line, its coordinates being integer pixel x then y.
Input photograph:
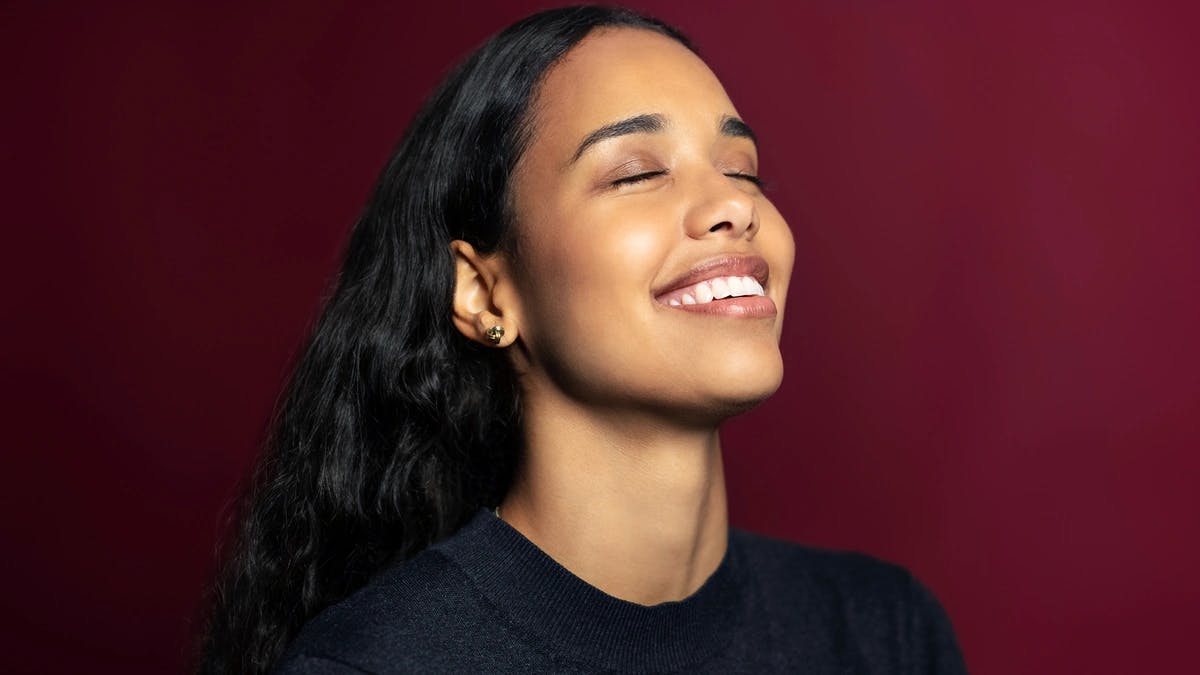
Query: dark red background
{"type": "Point", "coordinates": [992, 331]}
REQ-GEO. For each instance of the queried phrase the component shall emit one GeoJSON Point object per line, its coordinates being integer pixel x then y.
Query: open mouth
{"type": "Point", "coordinates": [730, 285]}
{"type": "Point", "coordinates": [711, 290]}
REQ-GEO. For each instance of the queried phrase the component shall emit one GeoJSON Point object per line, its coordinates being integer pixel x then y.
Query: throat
{"type": "Point", "coordinates": [646, 525]}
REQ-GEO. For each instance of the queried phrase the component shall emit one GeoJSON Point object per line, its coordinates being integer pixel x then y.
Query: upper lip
{"type": "Point", "coordinates": [720, 266]}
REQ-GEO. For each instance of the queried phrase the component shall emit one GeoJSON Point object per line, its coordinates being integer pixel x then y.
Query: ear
{"type": "Point", "coordinates": [478, 306]}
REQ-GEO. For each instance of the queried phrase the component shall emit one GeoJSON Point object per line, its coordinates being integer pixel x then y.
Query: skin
{"type": "Point", "coordinates": [621, 479]}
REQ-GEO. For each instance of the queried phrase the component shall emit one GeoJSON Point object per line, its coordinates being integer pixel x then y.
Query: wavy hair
{"type": "Point", "coordinates": [393, 428]}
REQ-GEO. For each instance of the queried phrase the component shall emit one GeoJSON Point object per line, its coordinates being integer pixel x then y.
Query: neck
{"type": "Point", "coordinates": [636, 509]}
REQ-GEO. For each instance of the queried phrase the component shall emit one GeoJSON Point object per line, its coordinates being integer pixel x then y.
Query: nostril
{"type": "Point", "coordinates": [721, 226]}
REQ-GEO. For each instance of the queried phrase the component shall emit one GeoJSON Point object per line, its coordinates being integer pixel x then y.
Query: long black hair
{"type": "Point", "coordinates": [393, 428]}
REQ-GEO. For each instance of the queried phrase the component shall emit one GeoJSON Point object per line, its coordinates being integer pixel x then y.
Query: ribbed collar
{"type": "Point", "coordinates": [585, 624]}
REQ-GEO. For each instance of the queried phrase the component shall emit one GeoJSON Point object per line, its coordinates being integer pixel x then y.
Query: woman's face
{"type": "Point", "coordinates": [637, 184]}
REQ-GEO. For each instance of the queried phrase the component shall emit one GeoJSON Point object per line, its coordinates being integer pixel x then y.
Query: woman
{"type": "Point", "coordinates": [500, 449]}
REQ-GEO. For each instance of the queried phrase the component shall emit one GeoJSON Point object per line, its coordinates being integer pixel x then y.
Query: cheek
{"type": "Point", "coordinates": [598, 264]}
{"type": "Point", "coordinates": [586, 288]}
{"type": "Point", "coordinates": [779, 249]}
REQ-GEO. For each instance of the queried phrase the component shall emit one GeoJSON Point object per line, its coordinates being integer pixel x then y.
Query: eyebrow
{"type": "Point", "coordinates": [638, 124]}
{"type": "Point", "coordinates": [653, 123]}
{"type": "Point", "coordinates": [736, 128]}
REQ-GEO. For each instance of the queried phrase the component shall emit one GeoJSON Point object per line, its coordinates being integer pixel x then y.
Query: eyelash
{"type": "Point", "coordinates": [750, 178]}
{"type": "Point", "coordinates": [637, 178]}
{"type": "Point", "coordinates": [630, 180]}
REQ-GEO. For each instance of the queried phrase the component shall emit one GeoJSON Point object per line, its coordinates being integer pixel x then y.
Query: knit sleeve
{"type": "Point", "coordinates": [933, 648]}
{"type": "Point", "coordinates": [301, 664]}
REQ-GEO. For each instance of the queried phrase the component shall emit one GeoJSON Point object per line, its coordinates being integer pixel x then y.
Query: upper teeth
{"type": "Point", "coordinates": [714, 289]}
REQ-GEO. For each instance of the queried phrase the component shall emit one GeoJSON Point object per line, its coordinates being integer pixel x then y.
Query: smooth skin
{"type": "Point", "coordinates": [621, 477]}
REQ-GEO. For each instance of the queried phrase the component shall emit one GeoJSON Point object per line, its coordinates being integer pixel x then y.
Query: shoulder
{"type": "Point", "coordinates": [876, 610]}
{"type": "Point", "coordinates": [846, 576]}
{"type": "Point", "coordinates": [406, 614]}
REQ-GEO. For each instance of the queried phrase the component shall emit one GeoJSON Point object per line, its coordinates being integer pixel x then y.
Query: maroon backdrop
{"type": "Point", "coordinates": [992, 330]}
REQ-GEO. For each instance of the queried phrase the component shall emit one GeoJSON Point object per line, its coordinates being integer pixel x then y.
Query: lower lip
{"type": "Point", "coordinates": [748, 307]}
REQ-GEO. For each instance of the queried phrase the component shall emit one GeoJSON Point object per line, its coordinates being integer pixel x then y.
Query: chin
{"type": "Point", "coordinates": [743, 384]}
{"type": "Point", "coordinates": [744, 400]}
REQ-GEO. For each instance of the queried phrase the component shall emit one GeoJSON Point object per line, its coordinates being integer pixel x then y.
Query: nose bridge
{"type": "Point", "coordinates": [721, 207]}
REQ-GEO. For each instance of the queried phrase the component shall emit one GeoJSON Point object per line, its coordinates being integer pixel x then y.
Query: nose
{"type": "Point", "coordinates": [722, 208]}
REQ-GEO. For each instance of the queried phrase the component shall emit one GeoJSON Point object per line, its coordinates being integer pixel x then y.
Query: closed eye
{"type": "Point", "coordinates": [647, 175]}
{"type": "Point", "coordinates": [750, 178]}
{"type": "Point", "coordinates": [637, 178]}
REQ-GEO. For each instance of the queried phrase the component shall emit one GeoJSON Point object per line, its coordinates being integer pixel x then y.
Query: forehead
{"type": "Point", "coordinates": [615, 73]}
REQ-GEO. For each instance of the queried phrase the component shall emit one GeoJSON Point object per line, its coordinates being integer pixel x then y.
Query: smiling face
{"type": "Point", "coordinates": [637, 209]}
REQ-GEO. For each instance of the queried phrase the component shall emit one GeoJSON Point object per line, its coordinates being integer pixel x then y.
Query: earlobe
{"type": "Point", "coordinates": [475, 312]}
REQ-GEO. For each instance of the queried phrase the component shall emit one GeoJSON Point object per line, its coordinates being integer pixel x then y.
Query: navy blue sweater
{"type": "Point", "coordinates": [488, 600]}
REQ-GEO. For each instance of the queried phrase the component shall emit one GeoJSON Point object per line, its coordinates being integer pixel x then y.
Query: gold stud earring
{"type": "Point", "coordinates": [495, 334]}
